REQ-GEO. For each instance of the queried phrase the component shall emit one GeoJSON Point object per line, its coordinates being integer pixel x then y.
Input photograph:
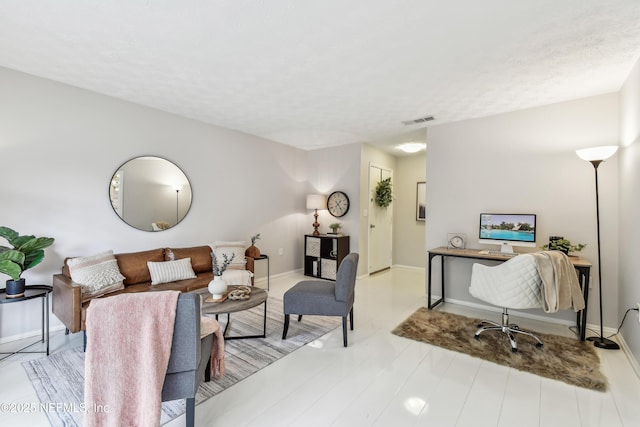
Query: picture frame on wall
{"type": "Point", "coordinates": [421, 201]}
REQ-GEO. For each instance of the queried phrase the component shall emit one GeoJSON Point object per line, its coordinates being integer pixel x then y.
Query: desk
{"type": "Point", "coordinates": [32, 292]}
{"type": "Point", "coordinates": [582, 266]}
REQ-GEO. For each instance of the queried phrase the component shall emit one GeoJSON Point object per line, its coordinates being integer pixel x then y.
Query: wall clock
{"type": "Point", "coordinates": [338, 204]}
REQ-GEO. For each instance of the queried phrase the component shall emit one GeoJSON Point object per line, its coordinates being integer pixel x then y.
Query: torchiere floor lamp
{"type": "Point", "coordinates": [596, 156]}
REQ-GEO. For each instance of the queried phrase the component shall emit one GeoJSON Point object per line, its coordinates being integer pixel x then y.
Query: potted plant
{"type": "Point", "coordinates": [335, 227]}
{"type": "Point", "coordinates": [563, 245]}
{"type": "Point", "coordinates": [25, 252]}
{"type": "Point", "coordinates": [218, 287]}
{"type": "Point", "coordinates": [253, 250]}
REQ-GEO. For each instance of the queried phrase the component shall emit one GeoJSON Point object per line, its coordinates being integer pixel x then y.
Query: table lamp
{"type": "Point", "coordinates": [316, 201]}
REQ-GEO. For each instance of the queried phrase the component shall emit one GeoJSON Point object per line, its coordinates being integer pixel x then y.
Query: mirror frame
{"type": "Point", "coordinates": [155, 197]}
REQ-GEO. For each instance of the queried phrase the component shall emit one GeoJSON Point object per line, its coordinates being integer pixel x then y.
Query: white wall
{"type": "Point", "coordinates": [409, 234]}
{"type": "Point", "coordinates": [525, 162]}
{"type": "Point", "coordinates": [60, 146]}
{"type": "Point", "coordinates": [629, 246]}
{"type": "Point", "coordinates": [335, 169]}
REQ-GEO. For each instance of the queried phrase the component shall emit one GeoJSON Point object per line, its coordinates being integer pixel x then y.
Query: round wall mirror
{"type": "Point", "coordinates": [150, 193]}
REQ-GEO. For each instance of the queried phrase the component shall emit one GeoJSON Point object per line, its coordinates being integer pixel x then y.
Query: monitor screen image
{"type": "Point", "coordinates": [516, 228]}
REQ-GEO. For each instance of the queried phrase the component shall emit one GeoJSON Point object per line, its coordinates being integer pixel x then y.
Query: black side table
{"type": "Point", "coordinates": [31, 292]}
{"type": "Point", "coordinates": [261, 257]}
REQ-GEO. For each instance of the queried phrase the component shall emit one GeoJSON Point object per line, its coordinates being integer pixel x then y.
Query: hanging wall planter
{"type": "Point", "coordinates": [384, 196]}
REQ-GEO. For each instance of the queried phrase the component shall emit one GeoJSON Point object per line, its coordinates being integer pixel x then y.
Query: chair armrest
{"type": "Point", "coordinates": [66, 302]}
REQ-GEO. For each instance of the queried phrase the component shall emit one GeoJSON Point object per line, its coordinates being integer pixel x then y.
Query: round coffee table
{"type": "Point", "coordinates": [258, 296]}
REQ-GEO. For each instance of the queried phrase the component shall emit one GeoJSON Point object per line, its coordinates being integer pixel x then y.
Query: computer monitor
{"type": "Point", "coordinates": [507, 230]}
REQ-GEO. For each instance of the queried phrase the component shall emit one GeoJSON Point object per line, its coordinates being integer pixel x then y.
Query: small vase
{"type": "Point", "coordinates": [252, 251]}
{"type": "Point", "coordinates": [15, 288]}
{"type": "Point", "coordinates": [217, 287]}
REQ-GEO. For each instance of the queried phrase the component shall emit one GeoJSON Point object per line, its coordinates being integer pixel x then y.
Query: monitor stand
{"type": "Point", "coordinates": [506, 248]}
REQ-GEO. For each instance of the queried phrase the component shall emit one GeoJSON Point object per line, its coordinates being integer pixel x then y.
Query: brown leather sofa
{"type": "Point", "coordinates": [67, 302]}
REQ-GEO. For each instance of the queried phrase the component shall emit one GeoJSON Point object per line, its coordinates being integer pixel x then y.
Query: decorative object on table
{"type": "Point", "coordinates": [26, 252]}
{"type": "Point", "coordinates": [218, 287]}
{"type": "Point", "coordinates": [239, 292]}
{"type": "Point", "coordinates": [421, 201]}
{"type": "Point", "coordinates": [315, 202]}
{"type": "Point", "coordinates": [253, 250]}
{"type": "Point", "coordinates": [456, 240]}
{"type": "Point", "coordinates": [596, 156]}
{"type": "Point", "coordinates": [562, 358]}
{"type": "Point", "coordinates": [557, 243]}
{"type": "Point", "coordinates": [338, 204]}
{"type": "Point", "coordinates": [335, 227]}
{"type": "Point", "coordinates": [384, 194]}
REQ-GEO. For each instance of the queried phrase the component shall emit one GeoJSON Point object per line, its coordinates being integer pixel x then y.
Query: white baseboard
{"type": "Point", "coordinates": [30, 334]}
{"type": "Point", "coordinates": [627, 351]}
{"type": "Point", "coordinates": [408, 267]}
{"type": "Point", "coordinates": [263, 280]}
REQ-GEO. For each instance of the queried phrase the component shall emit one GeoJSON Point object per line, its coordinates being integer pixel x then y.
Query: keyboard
{"type": "Point", "coordinates": [504, 254]}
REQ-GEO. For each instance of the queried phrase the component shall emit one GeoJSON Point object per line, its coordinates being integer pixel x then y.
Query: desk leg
{"type": "Point", "coordinates": [583, 276]}
{"type": "Point", "coordinates": [429, 304]}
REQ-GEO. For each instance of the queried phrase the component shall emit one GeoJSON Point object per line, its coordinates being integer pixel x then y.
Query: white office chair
{"type": "Point", "coordinates": [516, 284]}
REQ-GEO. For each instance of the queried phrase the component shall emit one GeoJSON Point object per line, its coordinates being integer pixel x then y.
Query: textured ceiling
{"type": "Point", "coordinates": [321, 73]}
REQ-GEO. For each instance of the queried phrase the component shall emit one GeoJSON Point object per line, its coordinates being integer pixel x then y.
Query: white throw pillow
{"type": "Point", "coordinates": [236, 248]}
{"type": "Point", "coordinates": [97, 274]}
{"type": "Point", "coordinates": [170, 271]}
{"type": "Point", "coordinates": [237, 277]}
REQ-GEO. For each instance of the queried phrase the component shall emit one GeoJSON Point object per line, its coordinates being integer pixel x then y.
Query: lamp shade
{"type": "Point", "coordinates": [316, 201]}
{"type": "Point", "coordinates": [597, 153]}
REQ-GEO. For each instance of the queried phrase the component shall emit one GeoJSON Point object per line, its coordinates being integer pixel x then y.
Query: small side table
{"type": "Point", "coordinates": [261, 257]}
{"type": "Point", "coordinates": [31, 292]}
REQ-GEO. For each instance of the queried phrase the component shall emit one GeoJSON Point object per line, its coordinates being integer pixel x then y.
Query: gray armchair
{"type": "Point", "coordinates": [190, 356]}
{"type": "Point", "coordinates": [323, 298]}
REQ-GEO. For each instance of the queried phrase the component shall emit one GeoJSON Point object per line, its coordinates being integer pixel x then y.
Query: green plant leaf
{"type": "Point", "coordinates": [10, 268]}
{"type": "Point", "coordinates": [13, 255]}
{"type": "Point", "coordinates": [8, 234]}
{"type": "Point", "coordinates": [33, 258]}
{"type": "Point", "coordinates": [34, 244]}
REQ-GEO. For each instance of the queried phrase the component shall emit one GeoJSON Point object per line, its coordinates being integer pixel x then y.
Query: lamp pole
{"type": "Point", "coordinates": [596, 156]}
{"type": "Point", "coordinates": [177, 204]}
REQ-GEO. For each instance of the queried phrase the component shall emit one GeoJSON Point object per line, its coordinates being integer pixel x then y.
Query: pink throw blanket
{"type": "Point", "coordinates": [209, 325]}
{"type": "Point", "coordinates": [128, 347]}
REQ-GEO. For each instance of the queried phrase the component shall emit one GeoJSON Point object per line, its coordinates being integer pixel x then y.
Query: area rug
{"type": "Point", "coordinates": [59, 379]}
{"type": "Point", "coordinates": [561, 358]}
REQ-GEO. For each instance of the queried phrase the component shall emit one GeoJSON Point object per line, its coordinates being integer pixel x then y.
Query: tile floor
{"type": "Point", "coordinates": [384, 380]}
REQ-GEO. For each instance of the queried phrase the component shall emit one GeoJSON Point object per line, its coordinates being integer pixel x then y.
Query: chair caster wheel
{"type": "Point", "coordinates": [480, 325]}
{"type": "Point", "coordinates": [539, 345]}
{"type": "Point", "coordinates": [477, 337]}
{"type": "Point", "coordinates": [514, 350]}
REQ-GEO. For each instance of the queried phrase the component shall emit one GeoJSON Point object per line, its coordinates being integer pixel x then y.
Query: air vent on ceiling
{"type": "Point", "coordinates": [418, 121]}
